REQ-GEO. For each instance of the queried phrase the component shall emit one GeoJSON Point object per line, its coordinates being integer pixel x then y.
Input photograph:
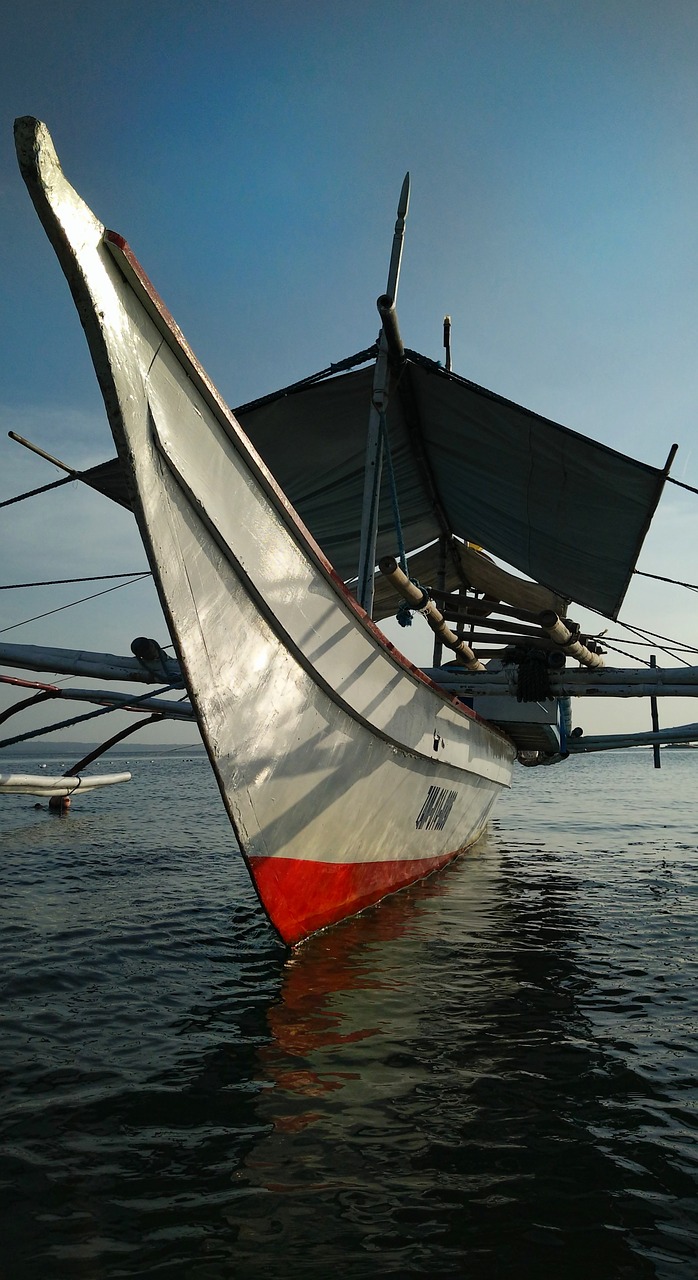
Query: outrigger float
{"type": "Point", "coordinates": [347, 772]}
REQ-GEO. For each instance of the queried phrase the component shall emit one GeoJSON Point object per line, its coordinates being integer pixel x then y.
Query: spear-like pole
{"type": "Point", "coordinates": [379, 402]}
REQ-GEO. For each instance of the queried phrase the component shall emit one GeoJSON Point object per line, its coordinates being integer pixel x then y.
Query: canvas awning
{"type": "Point", "coordinates": [567, 512]}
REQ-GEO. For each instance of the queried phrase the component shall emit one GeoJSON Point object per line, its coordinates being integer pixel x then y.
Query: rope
{"type": "Point", "coordinates": [72, 603]}
{"type": "Point", "coordinates": [393, 493]}
{"type": "Point", "coordinates": [651, 644]}
{"type": "Point", "coordinates": [404, 613]}
{"type": "Point", "coordinates": [533, 678]}
{"type": "Point", "coordinates": [62, 582]}
{"type": "Point", "coordinates": [90, 715]}
{"type": "Point", "coordinates": [681, 484]}
{"type": "Point", "coordinates": [655, 635]}
{"type": "Point", "coordinates": [634, 657]}
{"type": "Point", "coordinates": [44, 488]}
{"type": "Point", "coordinates": [674, 581]}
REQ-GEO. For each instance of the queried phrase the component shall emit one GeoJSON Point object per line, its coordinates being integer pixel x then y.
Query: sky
{"type": "Point", "coordinates": [252, 154]}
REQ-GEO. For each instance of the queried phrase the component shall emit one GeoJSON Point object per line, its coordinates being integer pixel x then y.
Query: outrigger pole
{"type": "Point", "coordinates": [379, 401]}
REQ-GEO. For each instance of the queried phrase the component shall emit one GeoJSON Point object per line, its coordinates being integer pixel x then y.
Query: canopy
{"type": "Point", "coordinates": [568, 512]}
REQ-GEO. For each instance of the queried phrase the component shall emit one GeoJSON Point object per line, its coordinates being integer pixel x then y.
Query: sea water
{"type": "Point", "coordinates": [491, 1074]}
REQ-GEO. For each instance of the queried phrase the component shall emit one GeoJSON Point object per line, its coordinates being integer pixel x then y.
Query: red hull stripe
{"type": "Point", "coordinates": [300, 895]}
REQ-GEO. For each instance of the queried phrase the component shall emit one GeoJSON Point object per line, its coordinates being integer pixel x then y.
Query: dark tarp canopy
{"type": "Point", "coordinates": [567, 512]}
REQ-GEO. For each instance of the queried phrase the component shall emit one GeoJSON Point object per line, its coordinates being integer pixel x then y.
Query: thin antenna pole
{"type": "Point", "coordinates": [379, 403]}
{"type": "Point", "coordinates": [447, 342]}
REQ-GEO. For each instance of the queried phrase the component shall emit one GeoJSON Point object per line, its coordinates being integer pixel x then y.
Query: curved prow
{"type": "Point", "coordinates": [77, 237]}
{"type": "Point", "coordinates": [69, 223]}
{"type": "Point", "coordinates": [312, 721]}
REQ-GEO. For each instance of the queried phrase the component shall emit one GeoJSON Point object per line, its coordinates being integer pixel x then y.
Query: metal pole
{"type": "Point", "coordinates": [41, 453]}
{"type": "Point", "coordinates": [379, 403]}
{"type": "Point", "coordinates": [447, 342]}
{"type": "Point", "coordinates": [441, 580]}
{"type": "Point", "coordinates": [656, 751]}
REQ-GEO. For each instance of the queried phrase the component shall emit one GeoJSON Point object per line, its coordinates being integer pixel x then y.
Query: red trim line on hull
{"type": "Point", "coordinates": [301, 896]}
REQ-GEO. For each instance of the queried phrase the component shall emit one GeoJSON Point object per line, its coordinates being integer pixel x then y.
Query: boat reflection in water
{"type": "Point", "coordinates": [340, 989]}
{"type": "Point", "coordinates": [435, 1090]}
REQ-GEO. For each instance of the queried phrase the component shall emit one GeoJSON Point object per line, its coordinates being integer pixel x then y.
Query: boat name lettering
{"type": "Point", "coordinates": [433, 814]}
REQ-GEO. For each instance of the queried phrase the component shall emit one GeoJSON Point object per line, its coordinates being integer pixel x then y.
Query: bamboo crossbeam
{"type": "Point", "coordinates": [482, 608]}
{"type": "Point", "coordinates": [419, 601]}
{"type": "Point", "coordinates": [519, 638]}
{"type": "Point", "coordinates": [678, 682]}
{"type": "Point", "coordinates": [102, 697]}
{"type": "Point", "coordinates": [81, 662]}
{"type": "Point", "coordinates": [484, 575]}
{"type": "Point", "coordinates": [677, 736]}
{"type": "Point", "coordinates": [508, 626]}
{"type": "Point", "coordinates": [563, 637]}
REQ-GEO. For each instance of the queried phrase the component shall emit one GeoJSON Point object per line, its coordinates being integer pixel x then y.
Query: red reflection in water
{"type": "Point", "coordinates": [309, 1019]}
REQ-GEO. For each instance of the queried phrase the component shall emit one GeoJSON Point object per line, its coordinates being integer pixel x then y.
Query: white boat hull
{"type": "Point", "coordinates": [345, 772]}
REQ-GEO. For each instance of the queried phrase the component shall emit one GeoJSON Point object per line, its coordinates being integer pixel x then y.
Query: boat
{"type": "Point", "coordinates": [347, 772]}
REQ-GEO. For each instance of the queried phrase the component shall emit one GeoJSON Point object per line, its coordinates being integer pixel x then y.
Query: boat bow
{"type": "Point", "coordinates": [346, 773]}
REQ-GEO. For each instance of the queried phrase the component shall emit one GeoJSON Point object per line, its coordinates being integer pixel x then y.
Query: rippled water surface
{"type": "Point", "coordinates": [492, 1074]}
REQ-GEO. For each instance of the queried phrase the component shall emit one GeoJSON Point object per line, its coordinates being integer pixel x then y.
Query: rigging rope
{"type": "Point", "coordinates": [404, 613]}
{"type": "Point", "coordinates": [654, 635]}
{"type": "Point", "coordinates": [62, 582]}
{"type": "Point", "coordinates": [393, 493]}
{"type": "Point", "coordinates": [649, 644]}
{"type": "Point", "coordinates": [90, 715]}
{"type": "Point", "coordinates": [44, 488]}
{"type": "Point", "coordinates": [640, 631]}
{"type": "Point", "coordinates": [681, 484]}
{"type": "Point", "coordinates": [72, 603]}
{"type": "Point", "coordinates": [674, 581]}
{"type": "Point", "coordinates": [80, 720]}
{"type": "Point", "coordinates": [634, 657]}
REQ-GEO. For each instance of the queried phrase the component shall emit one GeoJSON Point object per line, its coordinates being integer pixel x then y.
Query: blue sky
{"type": "Point", "coordinates": [252, 154]}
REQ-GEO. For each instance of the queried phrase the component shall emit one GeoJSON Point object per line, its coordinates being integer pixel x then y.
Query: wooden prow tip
{"type": "Point", "coordinates": [68, 222]}
{"type": "Point", "coordinates": [34, 146]}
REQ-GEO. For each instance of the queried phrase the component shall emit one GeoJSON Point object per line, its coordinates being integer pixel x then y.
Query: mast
{"type": "Point", "coordinates": [379, 403]}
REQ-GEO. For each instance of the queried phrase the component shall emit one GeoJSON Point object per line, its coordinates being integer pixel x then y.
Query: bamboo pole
{"type": "Point", "coordinates": [441, 575]}
{"type": "Point", "coordinates": [111, 742]}
{"type": "Point", "coordinates": [483, 607]}
{"type": "Point", "coordinates": [562, 636]}
{"type": "Point", "coordinates": [656, 753]}
{"type": "Point", "coordinates": [679, 735]}
{"type": "Point", "coordinates": [484, 575]}
{"type": "Point", "coordinates": [379, 401]}
{"type": "Point", "coordinates": [678, 682]}
{"type": "Point", "coordinates": [510, 626]}
{"type": "Point", "coordinates": [518, 638]}
{"type": "Point", "coordinates": [420, 601]}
